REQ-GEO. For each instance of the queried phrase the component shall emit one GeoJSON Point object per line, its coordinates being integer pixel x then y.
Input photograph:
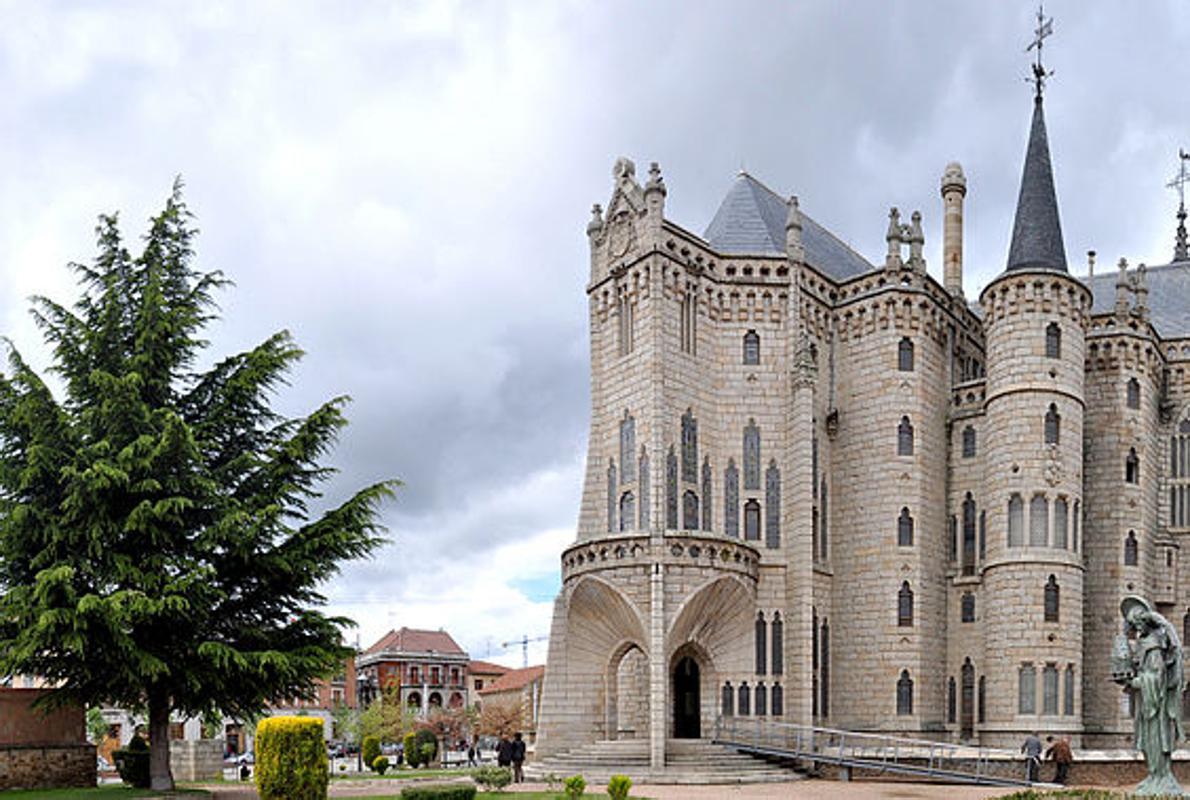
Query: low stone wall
{"type": "Point", "coordinates": [196, 759]}
{"type": "Point", "coordinates": [45, 767]}
{"type": "Point", "coordinates": [40, 750]}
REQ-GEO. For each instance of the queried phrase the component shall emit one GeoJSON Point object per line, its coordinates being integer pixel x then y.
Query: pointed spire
{"type": "Point", "coordinates": [1037, 231]}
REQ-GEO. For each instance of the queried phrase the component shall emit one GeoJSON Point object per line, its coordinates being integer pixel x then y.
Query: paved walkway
{"type": "Point", "coordinates": [797, 790]}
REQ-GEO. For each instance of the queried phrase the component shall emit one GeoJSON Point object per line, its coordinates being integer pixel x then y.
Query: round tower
{"type": "Point", "coordinates": [954, 189]}
{"type": "Point", "coordinates": [1035, 321]}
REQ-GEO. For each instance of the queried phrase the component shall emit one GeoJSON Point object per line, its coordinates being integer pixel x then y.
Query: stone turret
{"type": "Point", "coordinates": [1123, 287]}
{"type": "Point", "coordinates": [916, 238]}
{"type": "Point", "coordinates": [893, 237]}
{"type": "Point", "coordinates": [793, 233]}
{"type": "Point", "coordinates": [954, 189]}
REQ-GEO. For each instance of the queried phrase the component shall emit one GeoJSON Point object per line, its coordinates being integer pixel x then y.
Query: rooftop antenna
{"type": "Point", "coordinates": [1180, 251]}
{"type": "Point", "coordinates": [1045, 28]}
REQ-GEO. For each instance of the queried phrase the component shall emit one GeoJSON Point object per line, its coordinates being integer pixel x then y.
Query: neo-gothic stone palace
{"type": "Point", "coordinates": [829, 492]}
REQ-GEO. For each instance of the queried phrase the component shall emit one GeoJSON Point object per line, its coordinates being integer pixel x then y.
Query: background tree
{"type": "Point", "coordinates": [501, 718]}
{"type": "Point", "coordinates": [156, 542]}
{"type": "Point", "coordinates": [448, 726]}
{"type": "Point", "coordinates": [386, 717]}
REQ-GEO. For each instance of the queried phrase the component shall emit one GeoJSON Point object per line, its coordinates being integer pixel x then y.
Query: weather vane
{"type": "Point", "coordinates": [1045, 27]}
{"type": "Point", "coordinates": [1181, 179]}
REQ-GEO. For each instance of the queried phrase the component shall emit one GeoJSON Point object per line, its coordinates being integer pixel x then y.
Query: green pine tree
{"type": "Point", "coordinates": [157, 547]}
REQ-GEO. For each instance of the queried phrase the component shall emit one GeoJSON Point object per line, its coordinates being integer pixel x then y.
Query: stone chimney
{"type": "Point", "coordinates": [954, 189]}
{"type": "Point", "coordinates": [793, 233]}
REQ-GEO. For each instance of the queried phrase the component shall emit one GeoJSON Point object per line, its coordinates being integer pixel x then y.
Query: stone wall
{"type": "Point", "coordinates": [40, 750]}
{"type": "Point", "coordinates": [196, 759]}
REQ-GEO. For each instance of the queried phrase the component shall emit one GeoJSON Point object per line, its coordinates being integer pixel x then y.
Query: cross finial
{"type": "Point", "coordinates": [1181, 252]}
{"type": "Point", "coordinates": [1045, 28]}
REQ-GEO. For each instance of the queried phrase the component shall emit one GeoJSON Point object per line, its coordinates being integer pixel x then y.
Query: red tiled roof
{"type": "Point", "coordinates": [411, 640]}
{"type": "Point", "coordinates": [486, 668]}
{"type": "Point", "coordinates": [515, 679]}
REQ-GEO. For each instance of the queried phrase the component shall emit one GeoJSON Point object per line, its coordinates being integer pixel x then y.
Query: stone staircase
{"type": "Point", "coordinates": [688, 761]}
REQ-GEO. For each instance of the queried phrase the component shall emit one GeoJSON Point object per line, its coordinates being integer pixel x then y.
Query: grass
{"type": "Point", "coordinates": [402, 774]}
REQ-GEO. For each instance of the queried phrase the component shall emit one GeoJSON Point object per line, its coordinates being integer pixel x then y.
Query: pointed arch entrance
{"type": "Point", "coordinates": [687, 707]}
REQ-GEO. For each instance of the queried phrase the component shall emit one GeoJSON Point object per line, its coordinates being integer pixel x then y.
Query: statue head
{"type": "Point", "coordinates": [1136, 610]}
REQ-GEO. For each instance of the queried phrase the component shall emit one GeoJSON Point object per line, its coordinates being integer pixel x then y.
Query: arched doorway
{"type": "Point", "coordinates": [687, 710]}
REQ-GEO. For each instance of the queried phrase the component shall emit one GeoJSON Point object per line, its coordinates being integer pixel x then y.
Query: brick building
{"type": "Point", "coordinates": [428, 667]}
{"type": "Point", "coordinates": [829, 491]}
{"type": "Point", "coordinates": [521, 686]}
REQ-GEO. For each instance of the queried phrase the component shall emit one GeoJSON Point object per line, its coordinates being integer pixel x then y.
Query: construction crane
{"type": "Point", "coordinates": [524, 643]}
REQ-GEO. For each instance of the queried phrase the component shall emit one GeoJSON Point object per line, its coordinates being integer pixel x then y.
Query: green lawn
{"type": "Point", "coordinates": [402, 774]}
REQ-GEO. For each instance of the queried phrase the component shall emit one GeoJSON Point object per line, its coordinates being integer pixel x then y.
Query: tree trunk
{"type": "Point", "coordinates": [160, 778]}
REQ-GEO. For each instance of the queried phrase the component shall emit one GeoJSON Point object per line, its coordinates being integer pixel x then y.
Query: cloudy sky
{"type": "Point", "coordinates": [405, 186]}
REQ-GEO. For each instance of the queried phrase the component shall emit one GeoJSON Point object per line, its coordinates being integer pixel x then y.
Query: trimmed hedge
{"type": "Point", "coordinates": [291, 759]}
{"type": "Point", "coordinates": [132, 762]}
{"type": "Point", "coordinates": [371, 749]}
{"type": "Point", "coordinates": [439, 792]}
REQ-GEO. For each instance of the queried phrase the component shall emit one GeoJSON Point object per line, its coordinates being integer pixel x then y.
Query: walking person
{"type": "Point", "coordinates": [518, 758]}
{"type": "Point", "coordinates": [1059, 752]}
{"type": "Point", "coordinates": [504, 752]}
{"type": "Point", "coordinates": [471, 754]}
{"type": "Point", "coordinates": [1032, 750]}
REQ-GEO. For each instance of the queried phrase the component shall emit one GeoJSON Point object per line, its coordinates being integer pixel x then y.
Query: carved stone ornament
{"type": "Point", "coordinates": [1053, 466]}
{"type": "Point", "coordinates": [622, 235]}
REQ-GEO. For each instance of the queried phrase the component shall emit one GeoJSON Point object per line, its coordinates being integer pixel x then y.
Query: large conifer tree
{"type": "Point", "coordinates": [156, 544]}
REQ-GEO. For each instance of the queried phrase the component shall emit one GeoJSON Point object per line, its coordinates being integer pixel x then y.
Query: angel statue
{"type": "Point", "coordinates": [1151, 665]}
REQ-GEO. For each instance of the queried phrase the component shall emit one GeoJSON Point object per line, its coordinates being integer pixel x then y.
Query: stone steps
{"type": "Point", "coordinates": [688, 761]}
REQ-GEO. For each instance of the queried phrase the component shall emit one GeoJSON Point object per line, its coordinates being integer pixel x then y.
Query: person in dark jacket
{"type": "Point", "coordinates": [518, 758]}
{"type": "Point", "coordinates": [504, 752]}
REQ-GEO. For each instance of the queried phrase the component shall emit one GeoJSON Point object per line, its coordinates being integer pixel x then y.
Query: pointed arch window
{"type": "Point", "coordinates": [1053, 340]}
{"type": "Point", "coordinates": [627, 449]}
{"type": "Point", "coordinates": [624, 312]}
{"type": "Point", "coordinates": [744, 696]}
{"type": "Point", "coordinates": [1039, 512]}
{"type": "Point", "coordinates": [689, 447]}
{"type": "Point", "coordinates": [731, 500]}
{"type": "Point", "coordinates": [762, 704]}
{"type": "Point", "coordinates": [772, 506]}
{"type": "Point", "coordinates": [969, 535]}
{"type": "Point", "coordinates": [1132, 467]}
{"type": "Point", "coordinates": [1026, 689]}
{"type": "Point", "coordinates": [1068, 695]}
{"type": "Point", "coordinates": [671, 490]}
{"type": "Point", "coordinates": [1053, 425]}
{"type": "Point", "coordinates": [1049, 690]}
{"type": "Point", "coordinates": [688, 312]}
{"type": "Point", "coordinates": [644, 490]}
{"type": "Point", "coordinates": [951, 700]}
{"type": "Point", "coordinates": [968, 607]}
{"type": "Point", "coordinates": [777, 638]}
{"type": "Point", "coordinates": [1061, 523]}
{"type": "Point", "coordinates": [905, 355]}
{"type": "Point", "coordinates": [905, 606]}
{"type": "Point", "coordinates": [904, 694]}
{"type": "Point", "coordinates": [969, 442]}
{"type": "Point", "coordinates": [1052, 599]}
{"type": "Point", "coordinates": [1133, 393]}
{"type": "Point", "coordinates": [905, 437]}
{"type": "Point", "coordinates": [1016, 521]}
{"type": "Point", "coordinates": [824, 668]}
{"type": "Point", "coordinates": [778, 700]}
{"type": "Point", "coordinates": [824, 522]}
{"type": "Point", "coordinates": [1074, 524]}
{"type": "Point", "coordinates": [689, 510]}
{"type": "Point", "coordinates": [814, 660]}
{"type": "Point", "coordinates": [627, 511]}
{"type": "Point", "coordinates": [905, 528]}
{"type": "Point", "coordinates": [983, 534]}
{"type": "Point", "coordinates": [761, 631]}
{"type": "Point", "coordinates": [952, 538]}
{"type": "Point", "coordinates": [982, 696]}
{"type": "Point", "coordinates": [611, 495]}
{"type": "Point", "coordinates": [751, 456]}
{"type": "Point", "coordinates": [751, 348]}
{"type": "Point", "coordinates": [728, 700]}
{"type": "Point", "coordinates": [706, 494]}
{"type": "Point", "coordinates": [752, 521]}
{"type": "Point", "coordinates": [1131, 550]}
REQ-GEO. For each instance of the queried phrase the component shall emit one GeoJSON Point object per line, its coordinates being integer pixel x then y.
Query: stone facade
{"type": "Point", "coordinates": [826, 492]}
{"type": "Point", "coordinates": [42, 750]}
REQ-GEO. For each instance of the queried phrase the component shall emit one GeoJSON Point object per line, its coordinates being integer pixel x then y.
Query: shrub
{"type": "Point", "coordinates": [574, 786]}
{"type": "Point", "coordinates": [440, 792]}
{"type": "Point", "coordinates": [380, 765]}
{"type": "Point", "coordinates": [492, 778]}
{"type": "Point", "coordinates": [371, 749]}
{"type": "Point", "coordinates": [291, 759]}
{"type": "Point", "coordinates": [618, 787]}
{"type": "Point", "coordinates": [412, 757]}
{"type": "Point", "coordinates": [132, 762]}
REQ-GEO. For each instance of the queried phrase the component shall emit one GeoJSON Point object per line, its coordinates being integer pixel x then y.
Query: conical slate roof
{"type": "Point", "coordinates": [1037, 231]}
{"type": "Point", "coordinates": [751, 221]}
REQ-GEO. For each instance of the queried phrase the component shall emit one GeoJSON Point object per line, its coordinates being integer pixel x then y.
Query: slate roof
{"type": "Point", "coordinates": [1037, 231]}
{"type": "Point", "coordinates": [411, 640]}
{"type": "Point", "coordinates": [751, 221]}
{"type": "Point", "coordinates": [515, 680]}
{"type": "Point", "coordinates": [1169, 296]}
